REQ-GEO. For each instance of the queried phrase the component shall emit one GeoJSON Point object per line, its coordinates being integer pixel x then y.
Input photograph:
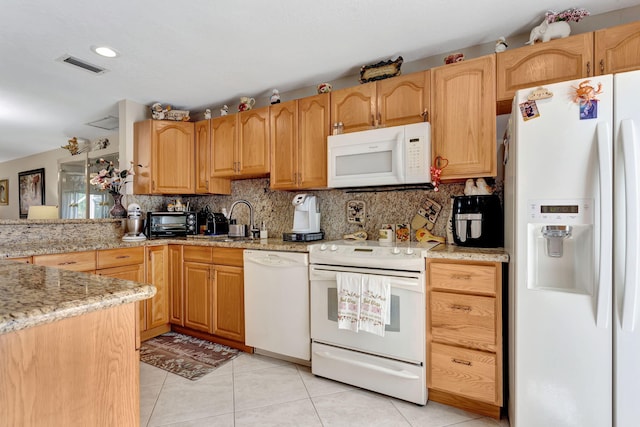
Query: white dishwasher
{"type": "Point", "coordinates": [276, 302]}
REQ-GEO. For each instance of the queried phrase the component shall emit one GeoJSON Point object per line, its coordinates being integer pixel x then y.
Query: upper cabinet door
{"type": "Point", "coordinates": [313, 129]}
{"type": "Point", "coordinates": [617, 49]}
{"type": "Point", "coordinates": [543, 63]}
{"type": "Point", "coordinates": [253, 142]}
{"type": "Point", "coordinates": [173, 158]}
{"type": "Point", "coordinates": [223, 143]}
{"type": "Point", "coordinates": [355, 107]}
{"type": "Point", "coordinates": [403, 99]}
{"type": "Point", "coordinates": [463, 119]}
{"type": "Point", "coordinates": [284, 145]}
{"type": "Point", "coordinates": [203, 146]}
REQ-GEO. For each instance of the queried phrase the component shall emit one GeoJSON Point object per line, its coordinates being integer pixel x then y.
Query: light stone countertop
{"type": "Point", "coordinates": [33, 295]}
{"type": "Point", "coordinates": [454, 252]}
{"type": "Point", "coordinates": [273, 244]}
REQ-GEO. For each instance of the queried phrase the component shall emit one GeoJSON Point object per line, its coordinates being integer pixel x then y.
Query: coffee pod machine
{"type": "Point", "coordinates": [477, 221]}
{"type": "Point", "coordinates": [134, 223]}
{"type": "Point", "coordinates": [306, 220]}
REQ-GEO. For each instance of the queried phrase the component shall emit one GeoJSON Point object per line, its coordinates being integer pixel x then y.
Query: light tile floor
{"type": "Point", "coordinates": [255, 390]}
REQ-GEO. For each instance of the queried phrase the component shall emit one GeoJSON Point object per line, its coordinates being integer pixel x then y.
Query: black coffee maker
{"type": "Point", "coordinates": [477, 221]}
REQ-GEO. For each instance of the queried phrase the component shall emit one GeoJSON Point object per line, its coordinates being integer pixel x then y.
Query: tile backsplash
{"type": "Point", "coordinates": [276, 209]}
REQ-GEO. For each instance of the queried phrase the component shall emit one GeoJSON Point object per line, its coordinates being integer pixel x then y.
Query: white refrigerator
{"type": "Point", "coordinates": [571, 231]}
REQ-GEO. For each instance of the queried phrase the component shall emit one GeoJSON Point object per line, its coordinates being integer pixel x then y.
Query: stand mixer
{"type": "Point", "coordinates": [135, 224]}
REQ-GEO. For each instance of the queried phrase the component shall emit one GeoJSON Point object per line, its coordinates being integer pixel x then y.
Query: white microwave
{"type": "Point", "coordinates": [385, 156]}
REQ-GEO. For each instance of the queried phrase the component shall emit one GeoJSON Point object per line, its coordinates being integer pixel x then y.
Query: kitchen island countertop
{"type": "Point", "coordinates": [33, 295]}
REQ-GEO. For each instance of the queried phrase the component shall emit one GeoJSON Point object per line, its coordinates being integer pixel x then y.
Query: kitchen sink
{"type": "Point", "coordinates": [226, 238]}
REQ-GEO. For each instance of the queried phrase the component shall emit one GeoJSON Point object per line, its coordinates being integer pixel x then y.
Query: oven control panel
{"type": "Point", "coordinates": [370, 254]}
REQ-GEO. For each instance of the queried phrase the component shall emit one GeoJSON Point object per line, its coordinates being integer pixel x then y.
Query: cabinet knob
{"type": "Point", "coordinates": [588, 68]}
{"type": "Point", "coordinates": [602, 66]}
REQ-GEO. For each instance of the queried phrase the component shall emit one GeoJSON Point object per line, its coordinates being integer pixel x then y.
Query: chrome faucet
{"type": "Point", "coordinates": [254, 231]}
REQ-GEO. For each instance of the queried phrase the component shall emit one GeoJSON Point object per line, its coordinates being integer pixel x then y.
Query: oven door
{"type": "Point", "coordinates": [404, 337]}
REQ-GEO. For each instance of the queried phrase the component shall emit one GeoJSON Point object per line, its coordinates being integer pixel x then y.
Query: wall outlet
{"type": "Point", "coordinates": [356, 211]}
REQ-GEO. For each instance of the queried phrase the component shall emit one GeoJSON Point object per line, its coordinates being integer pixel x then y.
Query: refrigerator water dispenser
{"type": "Point", "coordinates": [561, 252]}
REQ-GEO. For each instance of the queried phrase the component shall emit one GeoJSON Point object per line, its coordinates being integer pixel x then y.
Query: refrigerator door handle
{"type": "Point", "coordinates": [632, 252]}
{"type": "Point", "coordinates": [605, 163]}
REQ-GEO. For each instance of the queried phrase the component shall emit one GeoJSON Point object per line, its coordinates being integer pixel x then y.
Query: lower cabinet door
{"type": "Point", "coordinates": [465, 372]}
{"type": "Point", "coordinates": [197, 296]}
{"type": "Point", "coordinates": [228, 301]}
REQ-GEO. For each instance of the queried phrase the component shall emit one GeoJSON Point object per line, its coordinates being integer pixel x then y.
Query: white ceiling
{"type": "Point", "coordinates": [203, 53]}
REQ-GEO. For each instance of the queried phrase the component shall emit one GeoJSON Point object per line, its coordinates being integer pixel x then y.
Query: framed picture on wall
{"type": "Point", "coordinates": [30, 190]}
{"type": "Point", "coordinates": [4, 191]}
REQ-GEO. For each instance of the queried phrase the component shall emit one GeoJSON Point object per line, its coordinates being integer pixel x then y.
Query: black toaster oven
{"type": "Point", "coordinates": [171, 224]}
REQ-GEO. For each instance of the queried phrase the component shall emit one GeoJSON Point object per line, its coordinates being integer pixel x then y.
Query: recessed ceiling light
{"type": "Point", "coordinates": [105, 51]}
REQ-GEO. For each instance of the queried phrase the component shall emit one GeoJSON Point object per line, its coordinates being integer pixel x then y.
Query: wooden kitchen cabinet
{"type": "Point", "coordinates": [155, 311]}
{"type": "Point", "coordinates": [464, 334]}
{"type": "Point", "coordinates": [198, 296]}
{"type": "Point", "coordinates": [463, 122]}
{"type": "Point", "coordinates": [228, 302]}
{"type": "Point", "coordinates": [176, 292]}
{"type": "Point", "coordinates": [240, 145]}
{"type": "Point", "coordinates": [205, 182]}
{"type": "Point", "coordinates": [607, 51]}
{"type": "Point", "coordinates": [617, 49]}
{"type": "Point", "coordinates": [299, 131]}
{"type": "Point", "coordinates": [76, 261]}
{"type": "Point", "coordinates": [391, 102]}
{"type": "Point", "coordinates": [213, 289]}
{"type": "Point", "coordinates": [165, 150]}
{"type": "Point", "coordinates": [540, 64]}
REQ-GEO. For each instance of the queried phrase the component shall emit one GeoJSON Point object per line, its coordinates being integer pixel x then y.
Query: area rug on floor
{"type": "Point", "coordinates": [183, 355]}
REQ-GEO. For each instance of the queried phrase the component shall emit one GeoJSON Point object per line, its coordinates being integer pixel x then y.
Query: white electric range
{"type": "Point", "coordinates": [393, 364]}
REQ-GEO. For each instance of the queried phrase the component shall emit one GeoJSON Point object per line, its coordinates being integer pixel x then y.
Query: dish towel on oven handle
{"type": "Point", "coordinates": [348, 289]}
{"type": "Point", "coordinates": [375, 304]}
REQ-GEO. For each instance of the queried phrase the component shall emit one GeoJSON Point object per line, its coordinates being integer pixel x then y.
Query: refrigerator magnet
{"type": "Point", "coordinates": [529, 110]}
{"type": "Point", "coordinates": [589, 110]}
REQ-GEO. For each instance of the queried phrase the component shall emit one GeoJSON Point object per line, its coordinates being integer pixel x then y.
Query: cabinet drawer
{"type": "Point", "coordinates": [76, 261]}
{"type": "Point", "coordinates": [197, 253]}
{"type": "Point", "coordinates": [228, 256]}
{"type": "Point", "coordinates": [476, 278]}
{"type": "Point", "coordinates": [108, 258]}
{"type": "Point", "coordinates": [465, 320]}
{"type": "Point", "coordinates": [468, 373]}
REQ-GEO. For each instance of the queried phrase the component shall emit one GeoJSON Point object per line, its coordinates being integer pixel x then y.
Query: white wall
{"type": "Point", "coordinates": [9, 170]}
{"type": "Point", "coordinates": [47, 160]}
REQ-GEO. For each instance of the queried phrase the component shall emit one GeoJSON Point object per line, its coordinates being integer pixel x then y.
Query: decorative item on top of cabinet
{"type": "Point", "coordinates": [240, 145]}
{"type": "Point", "coordinates": [391, 102]}
{"type": "Point", "coordinates": [501, 45]}
{"type": "Point", "coordinates": [616, 49]}
{"type": "Point", "coordinates": [207, 114]}
{"type": "Point", "coordinates": [324, 88]}
{"type": "Point", "coordinates": [299, 131]}
{"type": "Point", "coordinates": [453, 58]}
{"type": "Point", "coordinates": [166, 151]}
{"type": "Point", "coordinates": [246, 103]}
{"type": "Point", "coordinates": [381, 70]}
{"type": "Point", "coordinates": [463, 121]}
{"type": "Point", "coordinates": [275, 97]}
{"type": "Point", "coordinates": [541, 64]}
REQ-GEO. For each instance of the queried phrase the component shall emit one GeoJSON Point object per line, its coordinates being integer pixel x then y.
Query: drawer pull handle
{"type": "Point", "coordinates": [461, 277]}
{"type": "Point", "coordinates": [460, 307]}
{"type": "Point", "coordinates": [68, 263]}
{"type": "Point", "coordinates": [122, 256]}
{"type": "Point", "coordinates": [461, 362]}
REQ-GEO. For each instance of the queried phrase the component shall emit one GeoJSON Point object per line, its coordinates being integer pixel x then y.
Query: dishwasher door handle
{"type": "Point", "coordinates": [276, 261]}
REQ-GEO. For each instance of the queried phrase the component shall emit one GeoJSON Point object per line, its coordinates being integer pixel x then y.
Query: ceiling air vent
{"type": "Point", "coordinates": [108, 123]}
{"type": "Point", "coordinates": [77, 62]}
